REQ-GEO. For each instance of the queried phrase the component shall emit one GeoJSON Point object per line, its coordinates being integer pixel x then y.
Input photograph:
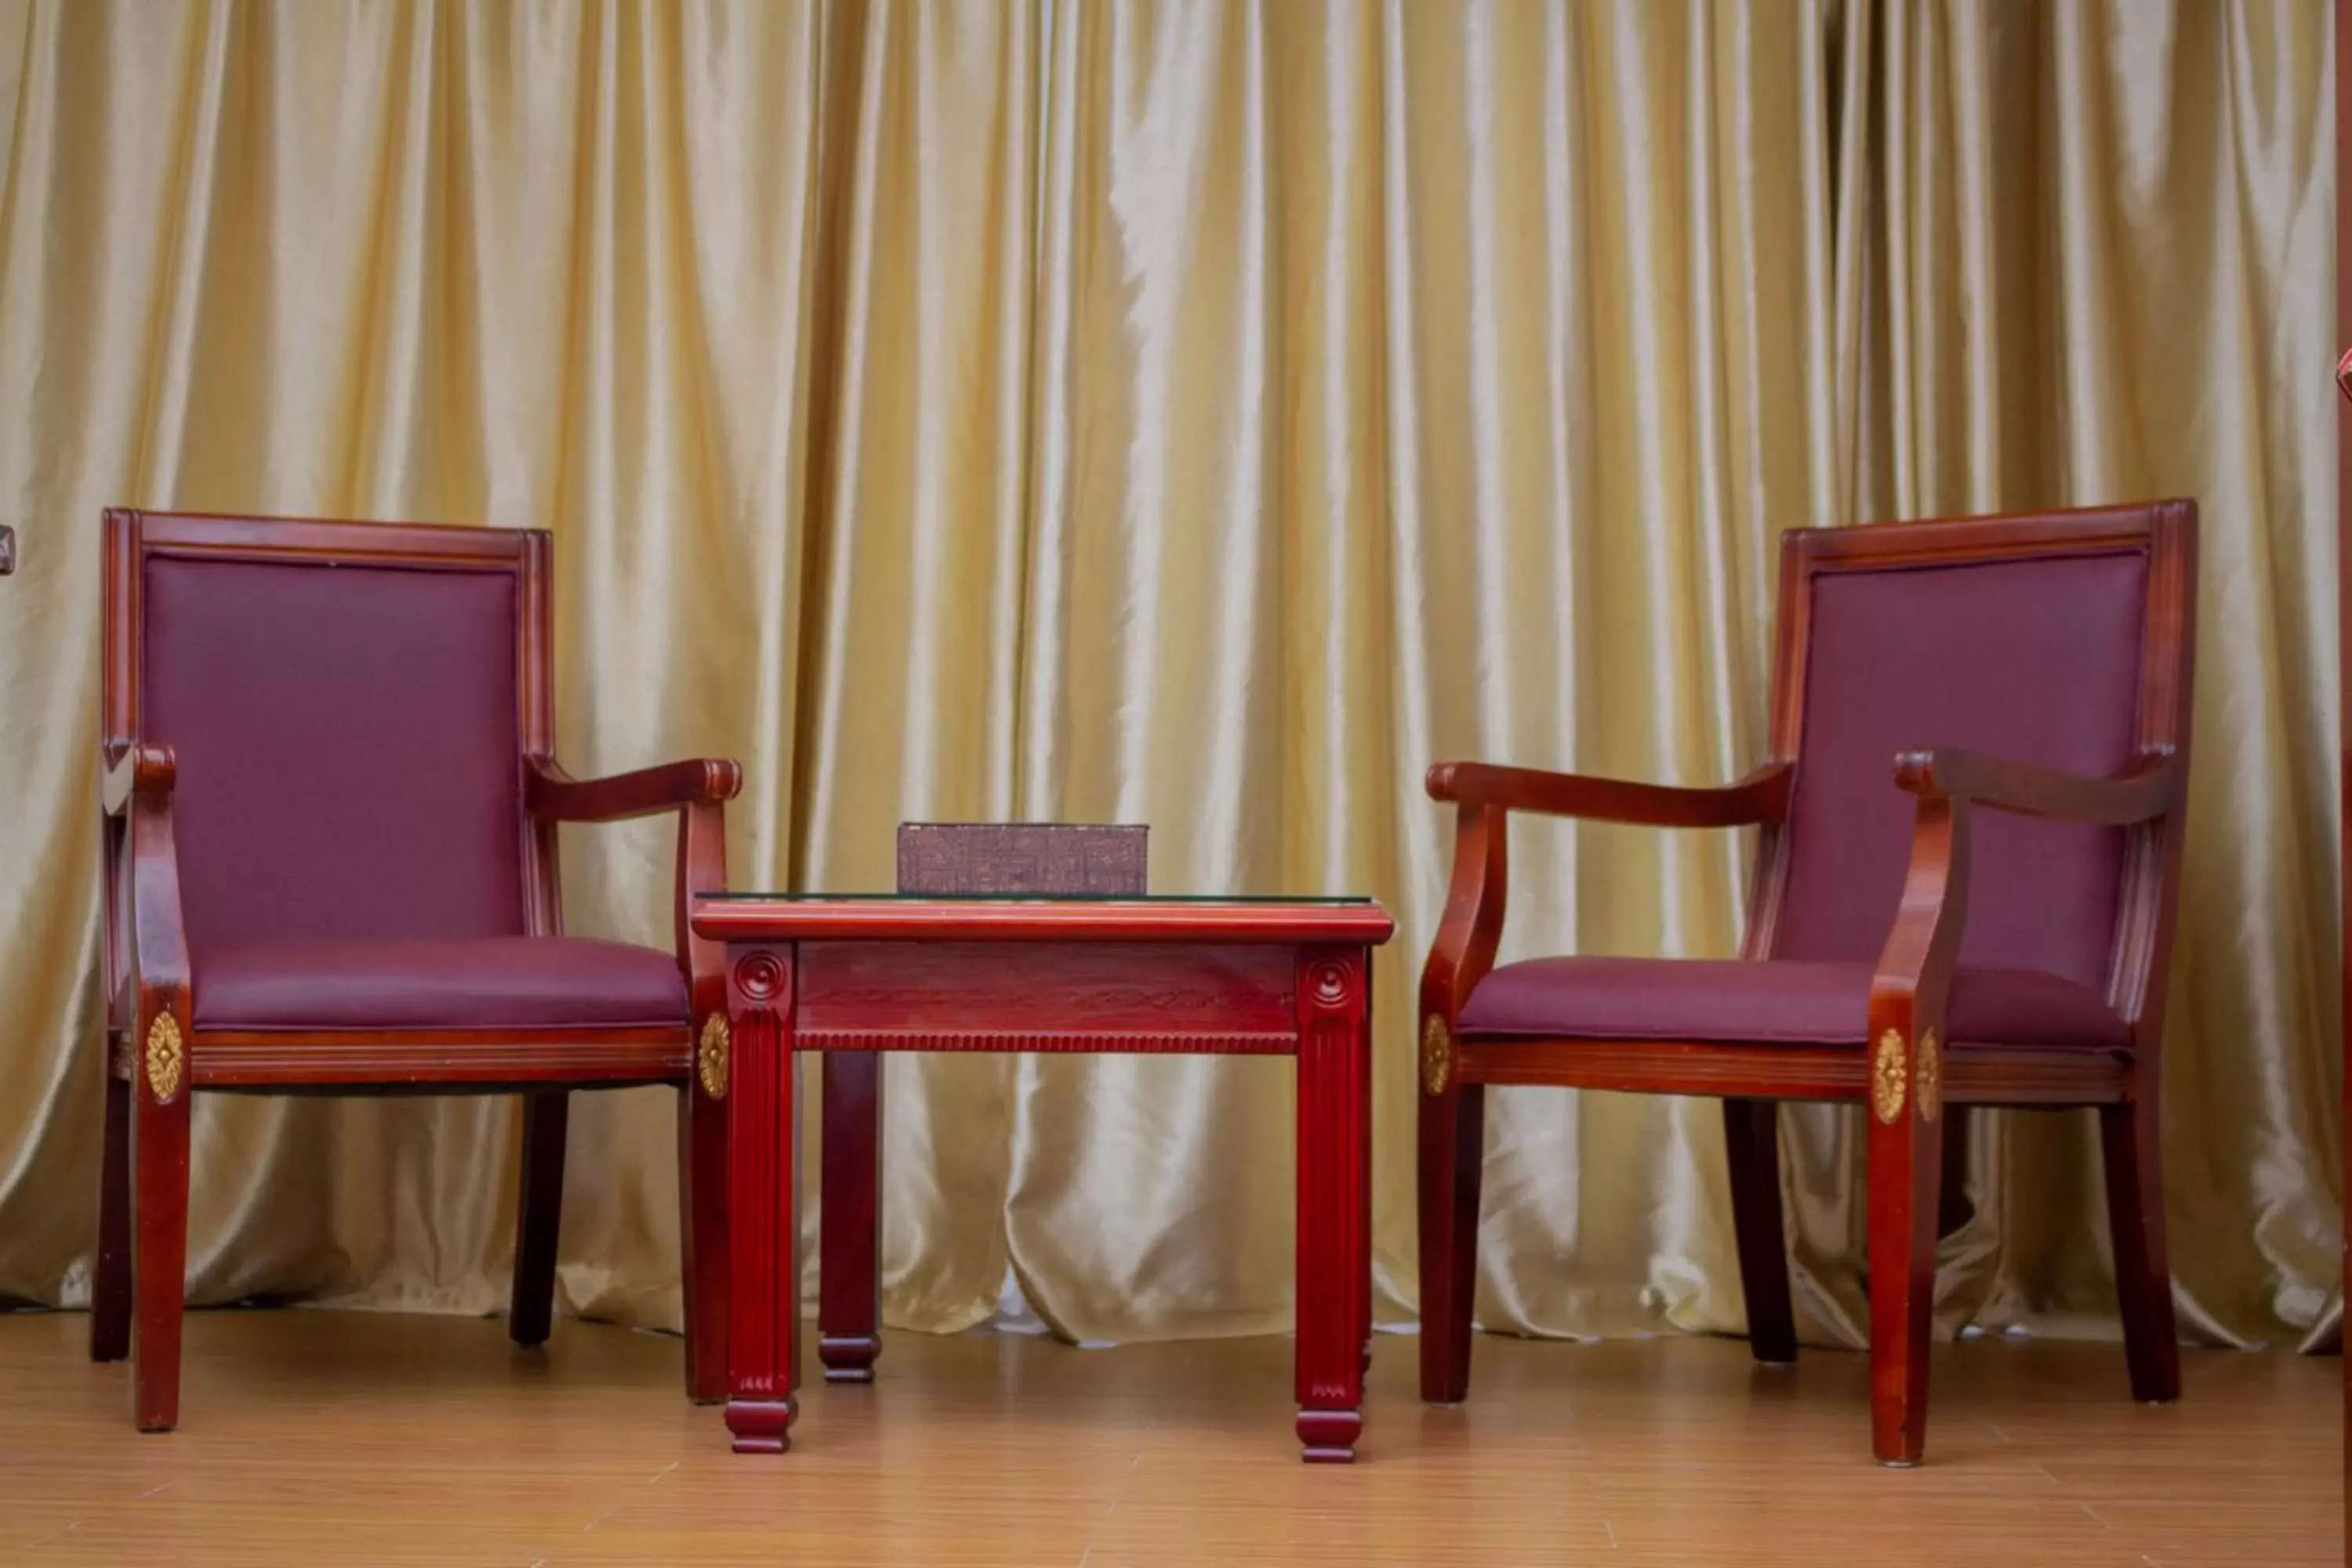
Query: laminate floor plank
{"type": "Point", "coordinates": [318, 1435]}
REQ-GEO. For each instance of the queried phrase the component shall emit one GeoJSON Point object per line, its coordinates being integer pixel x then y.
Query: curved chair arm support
{"type": "Point", "coordinates": [1914, 976]}
{"type": "Point", "coordinates": [1471, 925]}
{"type": "Point", "coordinates": [701, 869]}
{"type": "Point", "coordinates": [149, 863]}
{"type": "Point", "coordinates": [147, 962]}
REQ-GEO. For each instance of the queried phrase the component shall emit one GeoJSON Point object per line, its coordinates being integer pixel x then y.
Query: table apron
{"type": "Point", "coordinates": [1216, 998]}
{"type": "Point", "coordinates": [1170, 1043]}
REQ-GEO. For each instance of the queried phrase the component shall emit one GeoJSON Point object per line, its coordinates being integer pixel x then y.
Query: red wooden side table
{"type": "Point", "coordinates": [1156, 975]}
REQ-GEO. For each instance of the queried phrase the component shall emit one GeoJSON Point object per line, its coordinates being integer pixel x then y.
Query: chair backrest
{"type": "Point", "coordinates": [2062, 639]}
{"type": "Point", "coordinates": [350, 704]}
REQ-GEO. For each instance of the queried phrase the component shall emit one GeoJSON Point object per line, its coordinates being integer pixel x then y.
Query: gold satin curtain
{"type": "Point", "coordinates": [1202, 414]}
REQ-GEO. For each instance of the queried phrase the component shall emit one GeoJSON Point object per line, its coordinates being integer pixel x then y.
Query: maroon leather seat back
{"type": "Point", "coordinates": [2036, 660]}
{"type": "Point", "coordinates": [348, 747]}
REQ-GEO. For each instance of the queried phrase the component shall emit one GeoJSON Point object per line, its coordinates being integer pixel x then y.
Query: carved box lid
{"type": "Point", "coordinates": [1045, 859]}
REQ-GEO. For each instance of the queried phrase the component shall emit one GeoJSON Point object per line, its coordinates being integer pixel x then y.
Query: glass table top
{"type": "Point", "coordinates": [739, 895]}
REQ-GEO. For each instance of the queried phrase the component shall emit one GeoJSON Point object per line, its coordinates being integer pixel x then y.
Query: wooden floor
{"type": "Point", "coordinates": [319, 1436]}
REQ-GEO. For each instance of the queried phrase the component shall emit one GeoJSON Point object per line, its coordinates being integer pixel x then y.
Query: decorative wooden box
{"type": "Point", "coordinates": [1051, 859]}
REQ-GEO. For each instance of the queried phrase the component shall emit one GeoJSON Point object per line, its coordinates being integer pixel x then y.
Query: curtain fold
{"type": "Point", "coordinates": [1206, 415]}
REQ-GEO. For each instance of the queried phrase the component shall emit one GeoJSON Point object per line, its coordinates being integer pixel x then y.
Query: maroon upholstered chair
{"type": "Point", "coordinates": [1903, 949]}
{"type": "Point", "coordinates": [331, 867]}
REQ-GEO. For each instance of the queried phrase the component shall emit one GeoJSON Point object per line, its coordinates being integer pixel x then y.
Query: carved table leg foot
{"type": "Point", "coordinates": [1330, 1436]}
{"type": "Point", "coordinates": [849, 1358]}
{"type": "Point", "coordinates": [762, 1426]}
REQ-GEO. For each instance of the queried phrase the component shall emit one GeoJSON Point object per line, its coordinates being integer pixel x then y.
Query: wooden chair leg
{"type": "Point", "coordinates": [538, 1218]}
{"type": "Point", "coordinates": [109, 1281]}
{"type": "Point", "coordinates": [1452, 1150]}
{"type": "Point", "coordinates": [1364, 1296]}
{"type": "Point", "coordinates": [702, 1179]}
{"type": "Point", "coordinates": [2131, 1136]}
{"type": "Point", "coordinates": [850, 1218]}
{"type": "Point", "coordinates": [160, 1253]}
{"type": "Point", "coordinates": [1907, 1169]}
{"type": "Point", "coordinates": [1752, 1140]}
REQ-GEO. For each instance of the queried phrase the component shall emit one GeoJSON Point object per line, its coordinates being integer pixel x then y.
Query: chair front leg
{"type": "Point", "coordinates": [705, 1176]}
{"type": "Point", "coordinates": [1454, 1113]}
{"type": "Point", "coordinates": [1907, 1169]}
{"type": "Point", "coordinates": [1453, 1154]}
{"type": "Point", "coordinates": [162, 1083]}
{"type": "Point", "coordinates": [159, 1213]}
{"type": "Point", "coordinates": [1902, 1090]}
{"type": "Point", "coordinates": [702, 1220]}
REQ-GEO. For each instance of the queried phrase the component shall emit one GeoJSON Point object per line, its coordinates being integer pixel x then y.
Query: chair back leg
{"type": "Point", "coordinates": [1452, 1152]}
{"type": "Point", "coordinates": [1751, 1143]}
{"type": "Point", "coordinates": [2130, 1135]}
{"type": "Point", "coordinates": [539, 1222]}
{"type": "Point", "coordinates": [110, 1276]}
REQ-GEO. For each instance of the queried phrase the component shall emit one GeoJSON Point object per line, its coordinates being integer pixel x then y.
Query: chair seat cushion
{"type": "Point", "coordinates": [467, 983]}
{"type": "Point", "coordinates": [1775, 1001]}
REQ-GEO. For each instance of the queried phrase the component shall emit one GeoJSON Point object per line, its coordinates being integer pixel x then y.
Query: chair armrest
{"type": "Point", "coordinates": [2148, 788]}
{"type": "Point", "coordinates": [142, 770]}
{"type": "Point", "coordinates": [1761, 796]}
{"type": "Point", "coordinates": [697, 791]}
{"type": "Point", "coordinates": [1914, 976]}
{"type": "Point", "coordinates": [1909, 988]}
{"type": "Point", "coordinates": [1472, 926]}
{"type": "Point", "coordinates": [1468, 931]}
{"type": "Point", "coordinates": [550, 792]}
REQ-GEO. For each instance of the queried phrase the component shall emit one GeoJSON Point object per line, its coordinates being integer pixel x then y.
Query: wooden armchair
{"type": "Point", "coordinates": [1901, 950]}
{"type": "Point", "coordinates": [331, 867]}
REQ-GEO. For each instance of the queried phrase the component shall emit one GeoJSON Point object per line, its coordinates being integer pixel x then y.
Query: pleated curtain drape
{"type": "Point", "coordinates": [1206, 415]}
